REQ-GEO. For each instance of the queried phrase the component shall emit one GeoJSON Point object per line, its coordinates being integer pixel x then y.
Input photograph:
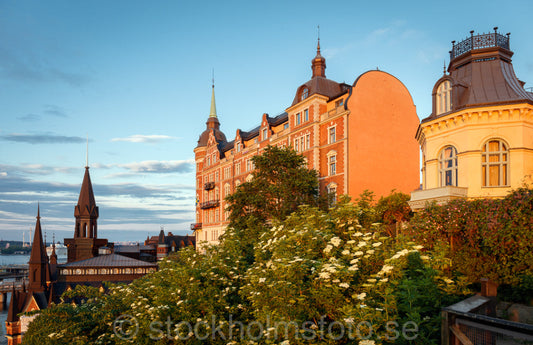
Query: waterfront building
{"type": "Point", "coordinates": [357, 137]}
{"type": "Point", "coordinates": [478, 140]}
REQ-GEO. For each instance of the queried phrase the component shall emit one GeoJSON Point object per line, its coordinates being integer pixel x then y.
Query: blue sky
{"type": "Point", "coordinates": [135, 76]}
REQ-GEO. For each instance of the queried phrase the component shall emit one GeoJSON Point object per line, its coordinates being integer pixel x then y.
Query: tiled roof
{"type": "Point", "coordinates": [111, 260]}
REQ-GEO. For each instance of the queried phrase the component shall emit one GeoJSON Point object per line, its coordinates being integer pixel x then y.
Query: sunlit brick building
{"type": "Point", "coordinates": [357, 137]}
{"type": "Point", "coordinates": [478, 140]}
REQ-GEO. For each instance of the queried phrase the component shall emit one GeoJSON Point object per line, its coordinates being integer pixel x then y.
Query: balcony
{"type": "Point", "coordinates": [209, 204]}
{"type": "Point", "coordinates": [209, 185]}
{"type": "Point", "coordinates": [442, 195]}
{"type": "Point", "coordinates": [489, 40]}
{"type": "Point", "coordinates": [196, 226]}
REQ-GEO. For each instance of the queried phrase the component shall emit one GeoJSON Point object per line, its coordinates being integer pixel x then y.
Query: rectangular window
{"type": "Point", "coordinates": [302, 144]}
{"type": "Point", "coordinates": [286, 125]}
{"type": "Point", "coordinates": [332, 136]}
{"type": "Point", "coordinates": [238, 147]}
{"type": "Point", "coordinates": [339, 102]}
{"type": "Point", "coordinates": [296, 145]}
{"type": "Point", "coordinates": [332, 165]}
{"type": "Point", "coordinates": [308, 141]}
{"type": "Point", "coordinates": [306, 115]}
{"type": "Point", "coordinates": [216, 176]}
{"type": "Point", "coordinates": [238, 169]}
{"type": "Point", "coordinates": [298, 118]}
{"type": "Point", "coordinates": [265, 133]}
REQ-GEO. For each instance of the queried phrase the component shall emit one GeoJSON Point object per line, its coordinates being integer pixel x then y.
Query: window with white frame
{"type": "Point", "coordinates": [444, 97]}
{"type": "Point", "coordinates": [495, 164]}
{"type": "Point", "coordinates": [265, 133]}
{"type": "Point", "coordinates": [296, 147]}
{"type": "Point", "coordinates": [298, 118]}
{"type": "Point", "coordinates": [332, 135]}
{"type": "Point", "coordinates": [238, 168]}
{"type": "Point", "coordinates": [227, 189]}
{"type": "Point", "coordinates": [306, 115]}
{"type": "Point", "coordinates": [305, 94]}
{"type": "Point", "coordinates": [332, 162]}
{"type": "Point", "coordinates": [448, 166]}
{"type": "Point", "coordinates": [308, 141]}
{"type": "Point", "coordinates": [227, 172]}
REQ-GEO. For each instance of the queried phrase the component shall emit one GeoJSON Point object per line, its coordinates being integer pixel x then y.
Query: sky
{"type": "Point", "coordinates": [134, 77]}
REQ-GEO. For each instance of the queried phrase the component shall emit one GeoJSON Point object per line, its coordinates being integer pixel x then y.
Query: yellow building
{"type": "Point", "coordinates": [478, 140]}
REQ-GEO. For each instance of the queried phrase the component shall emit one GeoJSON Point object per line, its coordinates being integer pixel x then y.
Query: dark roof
{"type": "Point", "coordinates": [212, 124]}
{"type": "Point", "coordinates": [480, 77]}
{"type": "Point", "coordinates": [278, 120]}
{"type": "Point", "coordinates": [111, 260]}
{"type": "Point", "coordinates": [322, 86]}
{"type": "Point", "coordinates": [38, 252]}
{"type": "Point", "coordinates": [86, 204]}
{"type": "Point", "coordinates": [20, 300]}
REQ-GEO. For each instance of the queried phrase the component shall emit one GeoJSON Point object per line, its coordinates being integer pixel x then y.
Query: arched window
{"type": "Point", "coordinates": [444, 97]}
{"type": "Point", "coordinates": [495, 164]}
{"type": "Point", "coordinates": [448, 166]}
{"type": "Point", "coordinates": [305, 93]}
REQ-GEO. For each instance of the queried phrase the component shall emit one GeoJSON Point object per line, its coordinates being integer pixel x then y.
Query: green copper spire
{"type": "Point", "coordinates": [213, 112]}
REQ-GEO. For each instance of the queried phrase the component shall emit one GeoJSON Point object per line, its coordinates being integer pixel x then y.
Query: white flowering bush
{"type": "Point", "coordinates": [317, 277]}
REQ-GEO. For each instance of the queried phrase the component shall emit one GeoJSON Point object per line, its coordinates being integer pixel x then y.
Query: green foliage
{"type": "Point", "coordinates": [308, 274]}
{"type": "Point", "coordinates": [281, 183]}
{"type": "Point", "coordinates": [520, 293]}
{"type": "Point", "coordinates": [482, 238]}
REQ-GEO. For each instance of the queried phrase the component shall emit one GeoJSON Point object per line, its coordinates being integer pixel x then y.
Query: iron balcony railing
{"type": "Point", "coordinates": [196, 226]}
{"type": "Point", "coordinates": [209, 185]}
{"type": "Point", "coordinates": [493, 39]}
{"type": "Point", "coordinates": [209, 204]}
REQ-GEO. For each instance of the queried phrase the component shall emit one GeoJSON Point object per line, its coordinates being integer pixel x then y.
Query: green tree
{"type": "Point", "coordinates": [281, 183]}
{"type": "Point", "coordinates": [393, 210]}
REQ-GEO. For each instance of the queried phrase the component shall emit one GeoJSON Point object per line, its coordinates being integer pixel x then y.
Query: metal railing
{"type": "Point", "coordinates": [209, 185]}
{"type": "Point", "coordinates": [196, 226]}
{"type": "Point", "coordinates": [493, 39]}
{"type": "Point", "coordinates": [472, 327]}
{"type": "Point", "coordinates": [209, 204]}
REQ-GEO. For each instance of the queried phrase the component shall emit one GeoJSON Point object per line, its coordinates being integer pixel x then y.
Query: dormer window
{"type": "Point", "coordinates": [238, 147]}
{"type": "Point", "coordinates": [305, 94]}
{"type": "Point", "coordinates": [444, 97]}
{"type": "Point", "coordinates": [265, 133]}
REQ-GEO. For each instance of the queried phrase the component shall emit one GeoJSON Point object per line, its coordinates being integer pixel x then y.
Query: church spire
{"type": "Point", "coordinates": [86, 211]}
{"type": "Point", "coordinates": [38, 264]}
{"type": "Point", "coordinates": [213, 112]}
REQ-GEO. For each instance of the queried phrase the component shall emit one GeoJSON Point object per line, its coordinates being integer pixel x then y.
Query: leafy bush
{"type": "Point", "coordinates": [482, 238]}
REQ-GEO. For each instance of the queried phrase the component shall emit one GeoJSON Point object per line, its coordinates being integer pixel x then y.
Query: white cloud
{"type": "Point", "coordinates": [139, 138]}
{"type": "Point", "coordinates": [182, 166]}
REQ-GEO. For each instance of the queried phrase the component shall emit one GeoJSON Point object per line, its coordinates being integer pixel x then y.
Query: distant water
{"type": "Point", "coordinates": [14, 260]}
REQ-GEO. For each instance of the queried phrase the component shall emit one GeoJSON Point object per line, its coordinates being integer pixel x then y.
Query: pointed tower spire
{"type": "Point", "coordinates": [53, 256]}
{"type": "Point", "coordinates": [38, 264]}
{"type": "Point", "coordinates": [86, 211]}
{"type": "Point", "coordinates": [213, 112]}
{"type": "Point", "coordinates": [318, 64]}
